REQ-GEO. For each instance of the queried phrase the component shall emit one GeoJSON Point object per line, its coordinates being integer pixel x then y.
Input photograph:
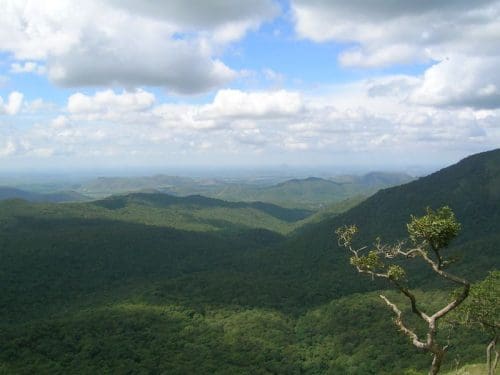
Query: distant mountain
{"type": "Point", "coordinates": [309, 193]}
{"type": "Point", "coordinates": [319, 193]}
{"type": "Point", "coordinates": [63, 196]}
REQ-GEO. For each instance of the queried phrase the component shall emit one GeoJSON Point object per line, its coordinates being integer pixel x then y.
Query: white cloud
{"type": "Point", "coordinates": [458, 82]}
{"type": "Point", "coordinates": [99, 43]}
{"type": "Point", "coordinates": [365, 116]}
{"type": "Point", "coordinates": [392, 32]}
{"type": "Point", "coordinates": [236, 103]}
{"type": "Point", "coordinates": [374, 117]}
{"type": "Point", "coordinates": [232, 108]}
{"type": "Point", "coordinates": [105, 102]}
{"type": "Point", "coordinates": [459, 37]}
{"type": "Point", "coordinates": [13, 104]}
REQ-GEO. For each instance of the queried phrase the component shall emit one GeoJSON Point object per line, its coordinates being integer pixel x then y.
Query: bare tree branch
{"type": "Point", "coordinates": [399, 322]}
{"type": "Point", "coordinates": [431, 232]}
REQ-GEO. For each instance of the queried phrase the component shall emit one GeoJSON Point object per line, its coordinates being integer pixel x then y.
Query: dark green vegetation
{"type": "Point", "coordinates": [481, 310]}
{"type": "Point", "coordinates": [430, 236]}
{"type": "Point", "coordinates": [156, 284]}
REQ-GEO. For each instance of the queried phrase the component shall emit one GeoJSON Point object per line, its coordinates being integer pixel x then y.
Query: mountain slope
{"type": "Point", "coordinates": [150, 283]}
{"type": "Point", "coordinates": [471, 188]}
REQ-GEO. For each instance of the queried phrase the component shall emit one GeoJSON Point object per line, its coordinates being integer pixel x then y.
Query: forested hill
{"type": "Point", "coordinates": [196, 207]}
{"type": "Point", "coordinates": [150, 283]}
{"type": "Point", "coordinates": [471, 188]}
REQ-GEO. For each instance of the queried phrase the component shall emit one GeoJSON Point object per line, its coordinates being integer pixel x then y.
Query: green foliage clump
{"type": "Point", "coordinates": [437, 228]}
{"type": "Point", "coordinates": [396, 272]}
{"type": "Point", "coordinates": [483, 306]}
{"type": "Point", "coordinates": [369, 262]}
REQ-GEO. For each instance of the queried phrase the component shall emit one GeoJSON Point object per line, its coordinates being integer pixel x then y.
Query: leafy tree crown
{"type": "Point", "coordinates": [437, 228]}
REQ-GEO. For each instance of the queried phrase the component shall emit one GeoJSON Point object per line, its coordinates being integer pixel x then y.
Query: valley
{"type": "Point", "coordinates": [149, 282]}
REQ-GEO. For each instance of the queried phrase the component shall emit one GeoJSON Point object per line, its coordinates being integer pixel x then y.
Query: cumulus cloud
{"type": "Point", "coordinates": [13, 104]}
{"type": "Point", "coordinates": [459, 39]}
{"type": "Point", "coordinates": [236, 103]}
{"type": "Point", "coordinates": [373, 117]}
{"type": "Point", "coordinates": [457, 82]}
{"type": "Point", "coordinates": [226, 20]}
{"type": "Point", "coordinates": [232, 108]}
{"type": "Point", "coordinates": [98, 43]}
{"type": "Point", "coordinates": [109, 101]}
{"type": "Point", "coordinates": [124, 107]}
{"type": "Point", "coordinates": [393, 31]}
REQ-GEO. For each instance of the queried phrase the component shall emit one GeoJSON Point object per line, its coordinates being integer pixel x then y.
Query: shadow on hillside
{"type": "Point", "coordinates": [51, 265]}
{"type": "Point", "coordinates": [198, 202]}
{"type": "Point", "coordinates": [47, 262]}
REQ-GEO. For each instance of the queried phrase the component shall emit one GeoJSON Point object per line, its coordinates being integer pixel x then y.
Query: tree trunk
{"type": "Point", "coordinates": [491, 366]}
{"type": "Point", "coordinates": [437, 359]}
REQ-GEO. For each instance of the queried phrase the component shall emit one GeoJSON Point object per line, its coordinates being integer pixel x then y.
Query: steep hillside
{"type": "Point", "coordinates": [471, 188]}
{"type": "Point", "coordinates": [374, 180]}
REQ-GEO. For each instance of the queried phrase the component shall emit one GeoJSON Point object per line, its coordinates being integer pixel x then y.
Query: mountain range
{"type": "Point", "coordinates": [155, 283]}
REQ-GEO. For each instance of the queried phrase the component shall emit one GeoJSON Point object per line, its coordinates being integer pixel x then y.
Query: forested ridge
{"type": "Point", "coordinates": [151, 283]}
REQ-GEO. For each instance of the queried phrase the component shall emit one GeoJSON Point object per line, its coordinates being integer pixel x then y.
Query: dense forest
{"type": "Point", "coordinates": [150, 283]}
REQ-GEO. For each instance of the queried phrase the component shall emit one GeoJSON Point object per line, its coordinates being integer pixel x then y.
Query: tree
{"type": "Point", "coordinates": [429, 235]}
{"type": "Point", "coordinates": [482, 309]}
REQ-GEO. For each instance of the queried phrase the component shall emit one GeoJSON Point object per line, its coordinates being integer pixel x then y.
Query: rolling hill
{"type": "Point", "coordinates": [152, 283]}
{"type": "Point", "coordinates": [311, 193]}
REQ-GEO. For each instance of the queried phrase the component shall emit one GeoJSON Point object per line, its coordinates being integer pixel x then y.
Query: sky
{"type": "Point", "coordinates": [183, 83]}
